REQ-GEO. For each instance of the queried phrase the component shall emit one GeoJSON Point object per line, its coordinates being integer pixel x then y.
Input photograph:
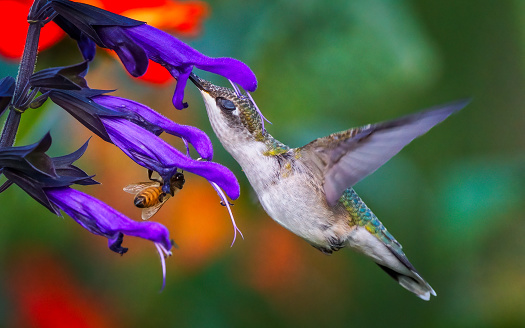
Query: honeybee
{"type": "Point", "coordinates": [149, 195]}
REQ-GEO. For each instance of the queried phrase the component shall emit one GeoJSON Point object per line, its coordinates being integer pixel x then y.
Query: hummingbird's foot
{"type": "Point", "coordinates": [324, 250]}
{"type": "Point", "coordinates": [334, 244]}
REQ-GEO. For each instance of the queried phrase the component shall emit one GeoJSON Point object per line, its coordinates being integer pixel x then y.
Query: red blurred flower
{"type": "Point", "coordinates": [182, 18]}
{"type": "Point", "coordinates": [14, 29]}
{"type": "Point", "coordinates": [43, 294]}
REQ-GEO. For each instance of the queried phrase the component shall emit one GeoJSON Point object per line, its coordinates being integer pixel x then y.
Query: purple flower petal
{"type": "Point", "coordinates": [130, 53]}
{"type": "Point", "coordinates": [150, 151]}
{"type": "Point", "coordinates": [178, 94]}
{"type": "Point", "coordinates": [87, 47]}
{"type": "Point", "coordinates": [101, 219]}
{"type": "Point", "coordinates": [191, 134]}
{"type": "Point", "coordinates": [7, 88]}
{"type": "Point", "coordinates": [179, 59]}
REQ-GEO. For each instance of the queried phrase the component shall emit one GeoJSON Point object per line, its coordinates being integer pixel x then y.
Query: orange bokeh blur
{"type": "Point", "coordinates": [279, 261]}
{"type": "Point", "coordinates": [199, 224]}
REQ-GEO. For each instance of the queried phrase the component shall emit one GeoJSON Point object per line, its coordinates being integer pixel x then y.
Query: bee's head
{"type": "Point", "coordinates": [177, 181]}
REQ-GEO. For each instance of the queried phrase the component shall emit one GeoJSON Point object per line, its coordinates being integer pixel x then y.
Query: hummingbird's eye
{"type": "Point", "coordinates": [225, 104]}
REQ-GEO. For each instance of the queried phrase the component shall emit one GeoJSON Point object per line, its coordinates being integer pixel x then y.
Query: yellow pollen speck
{"type": "Point", "coordinates": [287, 170]}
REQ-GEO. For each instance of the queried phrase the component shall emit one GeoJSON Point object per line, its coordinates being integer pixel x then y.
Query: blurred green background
{"type": "Point", "coordinates": [454, 198]}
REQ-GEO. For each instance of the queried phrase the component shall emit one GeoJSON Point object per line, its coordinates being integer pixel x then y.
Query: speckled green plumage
{"type": "Point", "coordinates": [362, 216]}
{"type": "Point", "coordinates": [275, 147]}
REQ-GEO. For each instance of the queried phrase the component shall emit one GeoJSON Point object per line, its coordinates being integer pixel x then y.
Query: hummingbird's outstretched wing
{"type": "Point", "coordinates": [347, 157]}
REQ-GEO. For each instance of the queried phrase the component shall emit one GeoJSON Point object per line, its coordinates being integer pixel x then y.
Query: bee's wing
{"type": "Point", "coordinates": [135, 188]}
{"type": "Point", "coordinates": [148, 212]}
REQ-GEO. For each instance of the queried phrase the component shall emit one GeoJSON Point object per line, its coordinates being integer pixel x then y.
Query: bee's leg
{"type": "Point", "coordinates": [161, 197]}
{"type": "Point", "coordinates": [150, 173]}
{"type": "Point", "coordinates": [223, 204]}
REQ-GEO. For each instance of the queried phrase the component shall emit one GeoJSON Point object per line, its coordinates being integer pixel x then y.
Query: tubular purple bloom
{"type": "Point", "coordinates": [150, 151]}
{"type": "Point", "coordinates": [101, 219]}
{"type": "Point", "coordinates": [89, 105]}
{"type": "Point", "coordinates": [191, 134]}
{"type": "Point", "coordinates": [33, 170]}
{"type": "Point", "coordinates": [134, 128]}
{"type": "Point", "coordinates": [131, 42]}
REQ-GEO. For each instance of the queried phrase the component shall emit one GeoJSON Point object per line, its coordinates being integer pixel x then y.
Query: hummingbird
{"type": "Point", "coordinates": [308, 190]}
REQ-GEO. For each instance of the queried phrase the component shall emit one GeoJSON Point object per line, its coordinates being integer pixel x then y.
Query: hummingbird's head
{"type": "Point", "coordinates": [233, 116]}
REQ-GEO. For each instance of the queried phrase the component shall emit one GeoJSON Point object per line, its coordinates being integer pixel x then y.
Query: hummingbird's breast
{"type": "Point", "coordinates": [294, 197]}
{"type": "Point", "coordinates": [288, 190]}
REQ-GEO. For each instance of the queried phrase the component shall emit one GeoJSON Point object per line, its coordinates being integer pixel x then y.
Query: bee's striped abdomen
{"type": "Point", "coordinates": [148, 197]}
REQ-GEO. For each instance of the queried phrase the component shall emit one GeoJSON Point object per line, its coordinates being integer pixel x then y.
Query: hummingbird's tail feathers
{"type": "Point", "coordinates": [389, 256]}
{"type": "Point", "coordinates": [349, 156]}
{"type": "Point", "coordinates": [412, 281]}
{"type": "Point", "coordinates": [415, 283]}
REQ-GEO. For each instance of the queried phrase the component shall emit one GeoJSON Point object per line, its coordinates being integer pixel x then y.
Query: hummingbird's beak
{"type": "Point", "coordinates": [197, 81]}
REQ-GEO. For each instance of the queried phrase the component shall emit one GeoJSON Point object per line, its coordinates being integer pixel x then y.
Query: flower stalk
{"type": "Point", "coordinates": [25, 70]}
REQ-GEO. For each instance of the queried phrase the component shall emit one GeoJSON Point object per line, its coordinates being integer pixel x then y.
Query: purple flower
{"type": "Point", "coordinates": [136, 43]}
{"type": "Point", "coordinates": [33, 170]}
{"type": "Point", "coordinates": [89, 105]}
{"type": "Point", "coordinates": [193, 135]}
{"type": "Point", "coordinates": [134, 128]}
{"type": "Point", "coordinates": [101, 219]}
{"type": "Point", "coordinates": [176, 56]}
{"type": "Point", "coordinates": [151, 152]}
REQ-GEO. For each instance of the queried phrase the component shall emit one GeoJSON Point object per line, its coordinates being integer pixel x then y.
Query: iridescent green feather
{"type": "Point", "coordinates": [275, 147]}
{"type": "Point", "coordinates": [362, 216]}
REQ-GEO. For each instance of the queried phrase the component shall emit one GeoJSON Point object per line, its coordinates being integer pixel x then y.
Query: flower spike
{"type": "Point", "coordinates": [132, 127]}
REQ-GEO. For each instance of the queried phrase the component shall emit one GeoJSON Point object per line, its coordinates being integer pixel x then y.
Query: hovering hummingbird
{"type": "Point", "coordinates": [308, 190]}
